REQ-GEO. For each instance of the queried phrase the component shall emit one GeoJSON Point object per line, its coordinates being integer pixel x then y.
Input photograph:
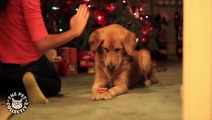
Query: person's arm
{"type": "Point", "coordinates": [77, 25]}
{"type": "Point", "coordinates": [36, 27]}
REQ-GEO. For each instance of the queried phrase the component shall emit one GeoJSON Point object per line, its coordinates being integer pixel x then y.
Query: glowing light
{"type": "Point", "coordinates": [99, 18]}
{"type": "Point", "coordinates": [147, 17]}
{"type": "Point", "coordinates": [144, 32]}
{"type": "Point", "coordinates": [141, 18]}
{"type": "Point", "coordinates": [60, 30]}
{"type": "Point", "coordinates": [68, 2]}
{"type": "Point", "coordinates": [110, 7]}
{"type": "Point", "coordinates": [144, 39]}
{"type": "Point", "coordinates": [137, 39]}
{"type": "Point", "coordinates": [76, 9]}
{"type": "Point", "coordinates": [134, 14]}
{"type": "Point", "coordinates": [89, 6]}
{"type": "Point", "coordinates": [55, 8]}
{"type": "Point", "coordinates": [86, 0]}
{"type": "Point", "coordinates": [124, 1]}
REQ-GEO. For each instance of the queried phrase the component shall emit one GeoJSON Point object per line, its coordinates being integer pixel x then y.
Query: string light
{"type": "Point", "coordinates": [144, 32]}
{"type": "Point", "coordinates": [144, 39]}
{"type": "Point", "coordinates": [134, 14]}
{"type": "Point", "coordinates": [136, 39]}
{"type": "Point", "coordinates": [55, 8]}
{"type": "Point", "coordinates": [68, 2]}
{"type": "Point", "coordinates": [102, 17]}
{"type": "Point", "coordinates": [99, 18]}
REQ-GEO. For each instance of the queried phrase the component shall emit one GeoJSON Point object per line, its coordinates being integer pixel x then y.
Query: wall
{"type": "Point", "coordinates": [169, 11]}
{"type": "Point", "coordinates": [197, 62]}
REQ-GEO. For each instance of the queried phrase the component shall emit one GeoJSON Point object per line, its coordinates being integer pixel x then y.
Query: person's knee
{"type": "Point", "coordinates": [53, 91]}
{"type": "Point", "coordinates": [58, 89]}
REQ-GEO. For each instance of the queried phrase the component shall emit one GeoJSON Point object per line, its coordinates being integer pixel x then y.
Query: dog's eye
{"type": "Point", "coordinates": [106, 49]}
{"type": "Point", "coordinates": [117, 49]}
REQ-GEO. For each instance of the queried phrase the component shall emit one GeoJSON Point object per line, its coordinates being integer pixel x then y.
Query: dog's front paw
{"type": "Point", "coordinates": [95, 96]}
{"type": "Point", "coordinates": [106, 96]}
{"type": "Point", "coordinates": [101, 96]}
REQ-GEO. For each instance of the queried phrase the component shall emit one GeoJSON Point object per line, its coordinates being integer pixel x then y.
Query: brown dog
{"type": "Point", "coordinates": [118, 66]}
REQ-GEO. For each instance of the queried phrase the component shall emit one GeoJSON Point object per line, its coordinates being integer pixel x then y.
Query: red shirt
{"type": "Point", "coordinates": [19, 29]}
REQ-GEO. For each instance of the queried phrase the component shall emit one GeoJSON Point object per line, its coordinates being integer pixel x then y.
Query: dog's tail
{"type": "Point", "coordinates": [145, 65]}
{"type": "Point", "coordinates": [144, 60]}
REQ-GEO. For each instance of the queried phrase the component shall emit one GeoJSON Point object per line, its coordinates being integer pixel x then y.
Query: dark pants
{"type": "Point", "coordinates": [45, 74]}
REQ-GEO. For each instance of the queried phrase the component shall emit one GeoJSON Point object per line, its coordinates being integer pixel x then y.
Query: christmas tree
{"type": "Point", "coordinates": [134, 15]}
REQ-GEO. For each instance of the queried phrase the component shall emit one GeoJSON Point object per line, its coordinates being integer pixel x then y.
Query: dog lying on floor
{"type": "Point", "coordinates": [118, 66]}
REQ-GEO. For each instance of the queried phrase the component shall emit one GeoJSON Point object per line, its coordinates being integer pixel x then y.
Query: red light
{"type": "Point", "coordinates": [99, 18]}
{"type": "Point", "coordinates": [143, 39]}
{"type": "Point", "coordinates": [144, 32]}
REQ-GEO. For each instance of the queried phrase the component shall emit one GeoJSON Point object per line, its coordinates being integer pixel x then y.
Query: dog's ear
{"type": "Point", "coordinates": [95, 40]}
{"type": "Point", "coordinates": [129, 41]}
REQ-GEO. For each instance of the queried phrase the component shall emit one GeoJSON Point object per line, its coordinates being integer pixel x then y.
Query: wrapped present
{"type": "Point", "coordinates": [69, 64]}
{"type": "Point", "coordinates": [86, 59]}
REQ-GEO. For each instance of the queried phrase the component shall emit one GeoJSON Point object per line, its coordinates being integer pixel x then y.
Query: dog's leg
{"type": "Point", "coordinates": [147, 82]}
{"type": "Point", "coordinates": [152, 77]}
{"type": "Point", "coordinates": [144, 60]}
{"type": "Point", "coordinates": [113, 92]}
{"type": "Point", "coordinates": [120, 87]}
{"type": "Point", "coordinates": [118, 90]}
{"type": "Point", "coordinates": [149, 78]}
{"type": "Point", "coordinates": [98, 83]}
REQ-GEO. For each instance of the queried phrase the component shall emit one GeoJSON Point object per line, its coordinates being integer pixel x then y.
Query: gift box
{"type": "Point", "coordinates": [86, 59]}
{"type": "Point", "coordinates": [68, 66]}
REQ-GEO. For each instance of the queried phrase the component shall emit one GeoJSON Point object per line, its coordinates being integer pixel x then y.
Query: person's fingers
{"type": "Point", "coordinates": [87, 15]}
{"type": "Point", "coordinates": [79, 10]}
{"type": "Point", "coordinates": [82, 10]}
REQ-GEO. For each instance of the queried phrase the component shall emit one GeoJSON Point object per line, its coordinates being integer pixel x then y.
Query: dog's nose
{"type": "Point", "coordinates": [110, 67]}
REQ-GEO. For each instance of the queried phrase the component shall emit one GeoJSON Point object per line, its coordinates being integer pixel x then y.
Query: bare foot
{"type": "Point", "coordinates": [34, 93]}
{"type": "Point", "coordinates": [4, 113]}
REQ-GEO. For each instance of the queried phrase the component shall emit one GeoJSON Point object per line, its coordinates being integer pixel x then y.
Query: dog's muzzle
{"type": "Point", "coordinates": [111, 67]}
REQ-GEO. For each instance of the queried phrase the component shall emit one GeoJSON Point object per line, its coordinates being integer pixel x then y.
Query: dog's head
{"type": "Point", "coordinates": [113, 42]}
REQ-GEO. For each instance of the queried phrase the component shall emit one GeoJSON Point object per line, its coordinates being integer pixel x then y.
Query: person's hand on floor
{"type": "Point", "coordinates": [79, 20]}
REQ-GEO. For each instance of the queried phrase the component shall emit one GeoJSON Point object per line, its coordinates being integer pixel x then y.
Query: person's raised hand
{"type": "Point", "coordinates": [79, 20]}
